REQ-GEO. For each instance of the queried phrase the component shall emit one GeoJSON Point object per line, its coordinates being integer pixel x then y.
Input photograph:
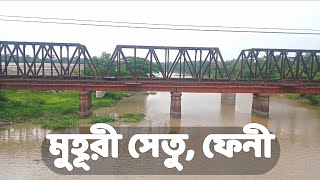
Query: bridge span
{"type": "Point", "coordinates": [161, 85]}
{"type": "Point", "coordinates": [69, 66]}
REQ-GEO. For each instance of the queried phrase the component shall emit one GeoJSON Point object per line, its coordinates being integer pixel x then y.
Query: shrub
{"type": "Point", "coordinates": [59, 122]}
{"type": "Point", "coordinates": [130, 117]}
{"type": "Point", "coordinates": [313, 98]}
{"type": "Point", "coordinates": [115, 95]}
{"type": "Point", "coordinates": [102, 119]}
{"type": "Point", "coordinates": [2, 97]}
{"type": "Point", "coordinates": [38, 101]}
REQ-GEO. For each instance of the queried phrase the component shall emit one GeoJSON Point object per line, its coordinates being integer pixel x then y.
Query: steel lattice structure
{"type": "Point", "coordinates": [41, 59]}
{"type": "Point", "coordinates": [71, 60]}
{"type": "Point", "coordinates": [204, 63]}
{"type": "Point", "coordinates": [263, 64]}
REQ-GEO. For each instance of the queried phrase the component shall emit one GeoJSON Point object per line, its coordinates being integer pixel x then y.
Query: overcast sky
{"type": "Point", "coordinates": [98, 39]}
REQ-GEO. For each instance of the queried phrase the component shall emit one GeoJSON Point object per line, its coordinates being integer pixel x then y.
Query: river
{"type": "Point", "coordinates": [295, 124]}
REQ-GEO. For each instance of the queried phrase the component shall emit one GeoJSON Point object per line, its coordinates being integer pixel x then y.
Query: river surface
{"type": "Point", "coordinates": [295, 124]}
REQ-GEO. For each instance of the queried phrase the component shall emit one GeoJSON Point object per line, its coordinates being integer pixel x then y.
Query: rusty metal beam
{"type": "Point", "coordinates": [162, 85]}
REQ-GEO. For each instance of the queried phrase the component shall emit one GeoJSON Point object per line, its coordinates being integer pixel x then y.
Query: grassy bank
{"type": "Point", "coordinates": [313, 99]}
{"type": "Point", "coordinates": [58, 122]}
{"type": "Point", "coordinates": [51, 109]}
{"type": "Point", "coordinates": [128, 118]}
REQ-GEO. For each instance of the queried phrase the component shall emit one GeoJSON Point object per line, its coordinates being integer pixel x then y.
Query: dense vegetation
{"type": "Point", "coordinates": [59, 122]}
{"type": "Point", "coordinates": [26, 104]}
{"type": "Point", "coordinates": [56, 110]}
{"type": "Point", "coordinates": [140, 63]}
{"type": "Point", "coordinates": [312, 98]}
{"type": "Point", "coordinates": [102, 119]}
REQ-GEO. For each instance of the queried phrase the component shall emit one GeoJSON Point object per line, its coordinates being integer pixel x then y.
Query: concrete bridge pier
{"type": "Point", "coordinates": [100, 94]}
{"type": "Point", "coordinates": [228, 98]}
{"type": "Point", "coordinates": [260, 105]}
{"type": "Point", "coordinates": [85, 105]}
{"type": "Point", "coordinates": [175, 107]}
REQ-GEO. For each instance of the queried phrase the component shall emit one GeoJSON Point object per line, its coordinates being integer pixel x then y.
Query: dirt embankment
{"type": "Point", "coordinates": [4, 123]}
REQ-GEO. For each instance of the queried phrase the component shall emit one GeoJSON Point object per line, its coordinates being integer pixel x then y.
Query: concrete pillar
{"type": "Point", "coordinates": [85, 105]}
{"type": "Point", "coordinates": [228, 98]}
{"type": "Point", "coordinates": [175, 125]}
{"type": "Point", "coordinates": [260, 105]}
{"type": "Point", "coordinates": [175, 107]}
{"type": "Point", "coordinates": [100, 94]}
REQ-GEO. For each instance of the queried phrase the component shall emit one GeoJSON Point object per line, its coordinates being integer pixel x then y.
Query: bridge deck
{"type": "Point", "coordinates": [176, 85]}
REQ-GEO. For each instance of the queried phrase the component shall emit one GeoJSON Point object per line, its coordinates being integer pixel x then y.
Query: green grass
{"type": "Point", "coordinates": [128, 118]}
{"type": "Point", "coordinates": [56, 110]}
{"type": "Point", "coordinates": [293, 96]}
{"type": "Point", "coordinates": [19, 106]}
{"type": "Point", "coordinates": [31, 104]}
{"type": "Point", "coordinates": [132, 118]}
{"type": "Point", "coordinates": [102, 119]}
{"type": "Point", "coordinates": [172, 131]}
{"type": "Point", "coordinates": [314, 99]}
{"type": "Point", "coordinates": [59, 122]}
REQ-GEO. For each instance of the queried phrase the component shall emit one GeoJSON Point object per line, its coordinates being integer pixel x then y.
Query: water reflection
{"type": "Point", "coordinates": [21, 133]}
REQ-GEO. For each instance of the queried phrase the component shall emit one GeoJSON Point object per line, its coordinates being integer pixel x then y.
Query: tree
{"type": "Point", "coordinates": [139, 66]}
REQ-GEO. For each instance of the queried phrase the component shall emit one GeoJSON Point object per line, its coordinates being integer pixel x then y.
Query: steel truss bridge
{"type": "Point", "coordinates": [69, 66]}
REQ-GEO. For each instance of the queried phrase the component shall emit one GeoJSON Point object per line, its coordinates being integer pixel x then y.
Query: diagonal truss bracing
{"type": "Point", "coordinates": [276, 64]}
{"type": "Point", "coordinates": [40, 59]}
{"type": "Point", "coordinates": [63, 60]}
{"type": "Point", "coordinates": [165, 62]}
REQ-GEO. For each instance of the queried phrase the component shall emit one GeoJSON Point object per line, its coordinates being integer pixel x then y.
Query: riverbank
{"type": "Point", "coordinates": [50, 109]}
{"type": "Point", "coordinates": [313, 99]}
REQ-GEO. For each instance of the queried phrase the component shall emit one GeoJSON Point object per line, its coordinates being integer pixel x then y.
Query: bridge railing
{"type": "Point", "coordinates": [41, 59]}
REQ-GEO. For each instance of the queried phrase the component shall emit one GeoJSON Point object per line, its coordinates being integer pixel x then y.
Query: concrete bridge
{"type": "Point", "coordinates": [69, 66]}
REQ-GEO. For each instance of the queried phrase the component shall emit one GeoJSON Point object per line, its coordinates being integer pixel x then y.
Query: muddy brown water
{"type": "Point", "coordinates": [295, 124]}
